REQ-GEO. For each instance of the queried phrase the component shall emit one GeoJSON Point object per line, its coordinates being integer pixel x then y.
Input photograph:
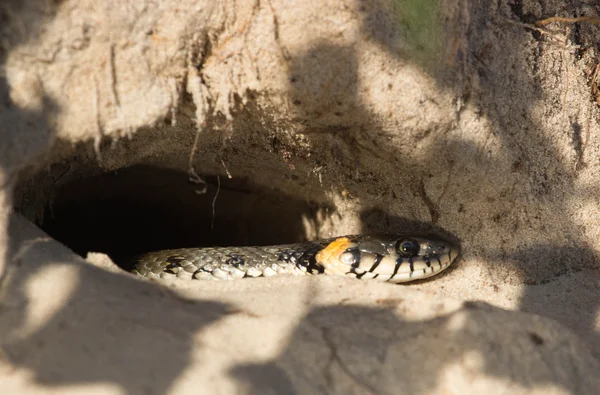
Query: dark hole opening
{"type": "Point", "coordinates": [144, 208]}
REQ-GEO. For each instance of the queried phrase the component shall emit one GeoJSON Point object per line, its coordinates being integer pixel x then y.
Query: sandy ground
{"type": "Point", "coordinates": [151, 124]}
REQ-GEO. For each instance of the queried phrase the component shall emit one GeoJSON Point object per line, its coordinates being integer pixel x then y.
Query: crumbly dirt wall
{"type": "Point", "coordinates": [136, 125]}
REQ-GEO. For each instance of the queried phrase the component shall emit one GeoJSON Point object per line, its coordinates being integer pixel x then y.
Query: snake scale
{"type": "Point", "coordinates": [392, 258]}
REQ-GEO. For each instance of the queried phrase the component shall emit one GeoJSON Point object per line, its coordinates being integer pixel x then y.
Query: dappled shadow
{"type": "Point", "coordinates": [572, 298]}
{"type": "Point", "coordinates": [508, 196]}
{"type": "Point", "coordinates": [551, 242]}
{"type": "Point", "coordinates": [26, 132]}
{"type": "Point", "coordinates": [507, 199]}
{"type": "Point", "coordinates": [67, 323]}
{"type": "Point", "coordinates": [356, 349]}
{"type": "Point", "coordinates": [101, 328]}
{"type": "Point", "coordinates": [144, 344]}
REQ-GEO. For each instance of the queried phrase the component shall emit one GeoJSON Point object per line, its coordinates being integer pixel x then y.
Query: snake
{"type": "Point", "coordinates": [394, 258]}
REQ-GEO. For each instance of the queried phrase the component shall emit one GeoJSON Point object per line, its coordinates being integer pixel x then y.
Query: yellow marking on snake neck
{"type": "Point", "coordinates": [328, 257]}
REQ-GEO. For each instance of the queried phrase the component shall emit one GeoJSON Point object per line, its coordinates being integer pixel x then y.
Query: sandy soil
{"type": "Point", "coordinates": [143, 125]}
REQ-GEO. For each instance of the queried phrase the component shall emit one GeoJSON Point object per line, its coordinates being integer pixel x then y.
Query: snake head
{"type": "Point", "coordinates": [393, 258]}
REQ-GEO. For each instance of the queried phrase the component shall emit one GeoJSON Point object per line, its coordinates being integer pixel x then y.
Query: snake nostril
{"type": "Point", "coordinates": [350, 257]}
{"type": "Point", "coordinates": [347, 258]}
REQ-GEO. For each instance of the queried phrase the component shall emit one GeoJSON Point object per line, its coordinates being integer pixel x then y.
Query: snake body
{"type": "Point", "coordinates": [393, 258]}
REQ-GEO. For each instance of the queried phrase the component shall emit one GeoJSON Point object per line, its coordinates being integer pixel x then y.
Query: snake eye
{"type": "Point", "coordinates": [408, 247]}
